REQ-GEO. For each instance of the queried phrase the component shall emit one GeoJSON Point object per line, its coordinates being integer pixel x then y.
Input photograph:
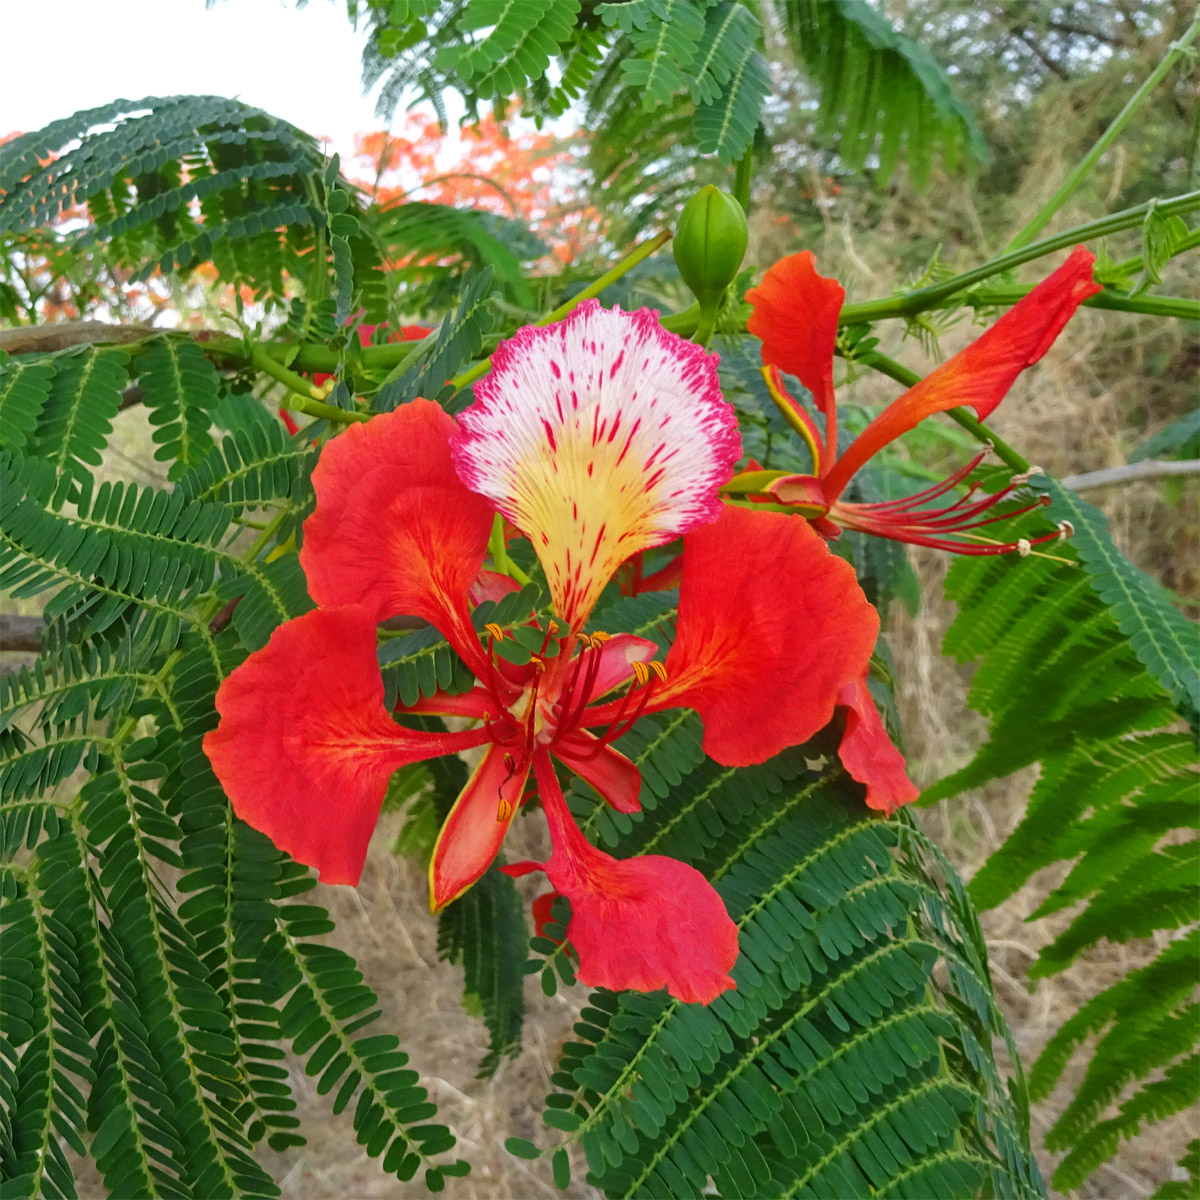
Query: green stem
{"type": "Point", "coordinates": [930, 297]}
{"type": "Point", "coordinates": [631, 260]}
{"type": "Point", "coordinates": [1159, 306]}
{"type": "Point", "coordinates": [1106, 139]}
{"type": "Point", "coordinates": [594, 288]}
{"type": "Point", "coordinates": [305, 398]}
{"type": "Point", "coordinates": [971, 423]}
{"type": "Point", "coordinates": [499, 553]}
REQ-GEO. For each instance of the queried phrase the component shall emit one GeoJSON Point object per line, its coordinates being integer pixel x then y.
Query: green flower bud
{"type": "Point", "coordinates": [710, 243]}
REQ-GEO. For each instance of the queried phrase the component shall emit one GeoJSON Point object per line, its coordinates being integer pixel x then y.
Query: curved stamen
{"type": "Point", "coordinates": [930, 493]}
{"type": "Point", "coordinates": [570, 710]}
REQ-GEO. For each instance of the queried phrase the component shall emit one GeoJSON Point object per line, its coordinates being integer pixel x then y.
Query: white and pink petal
{"type": "Point", "coordinates": [598, 437]}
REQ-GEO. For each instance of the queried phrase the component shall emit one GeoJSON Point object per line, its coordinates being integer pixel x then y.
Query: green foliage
{"type": "Point", "coordinates": [879, 89]}
{"type": "Point", "coordinates": [1180, 439]}
{"type": "Point", "coordinates": [1167, 644]}
{"type": "Point", "coordinates": [1063, 677]}
{"type": "Point", "coordinates": [146, 1023]}
{"type": "Point", "coordinates": [843, 1064]}
{"type": "Point", "coordinates": [459, 338]}
{"type": "Point", "coordinates": [485, 931]}
{"type": "Point", "coordinates": [174, 183]}
{"type": "Point", "coordinates": [698, 65]}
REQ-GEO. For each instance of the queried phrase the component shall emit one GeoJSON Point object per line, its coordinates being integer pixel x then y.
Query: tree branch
{"type": "Point", "coordinates": [1150, 469]}
{"type": "Point", "coordinates": [20, 633]}
{"type": "Point", "coordinates": [61, 335]}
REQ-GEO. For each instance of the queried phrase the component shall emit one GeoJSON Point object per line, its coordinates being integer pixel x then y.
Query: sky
{"type": "Point", "coordinates": [299, 64]}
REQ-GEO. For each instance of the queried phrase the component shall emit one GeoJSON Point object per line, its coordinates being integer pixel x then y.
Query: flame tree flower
{"type": "Point", "coordinates": [796, 317]}
{"type": "Point", "coordinates": [598, 438]}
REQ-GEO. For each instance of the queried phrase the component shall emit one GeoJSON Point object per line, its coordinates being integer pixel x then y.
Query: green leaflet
{"type": "Point", "coordinates": [458, 341]}
{"type": "Point", "coordinates": [485, 931]}
{"type": "Point", "coordinates": [24, 390]}
{"type": "Point", "coordinates": [878, 88]}
{"type": "Point", "coordinates": [180, 388]}
{"type": "Point", "coordinates": [247, 172]}
{"type": "Point", "coordinates": [881, 92]}
{"type": "Point", "coordinates": [1064, 685]}
{"type": "Point", "coordinates": [1167, 644]}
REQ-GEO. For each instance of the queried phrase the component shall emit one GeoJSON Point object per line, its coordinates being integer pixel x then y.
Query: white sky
{"type": "Point", "coordinates": [58, 56]}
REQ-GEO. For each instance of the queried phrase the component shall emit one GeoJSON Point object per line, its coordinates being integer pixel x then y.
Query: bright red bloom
{"type": "Point", "coordinates": [598, 438]}
{"type": "Point", "coordinates": [796, 314]}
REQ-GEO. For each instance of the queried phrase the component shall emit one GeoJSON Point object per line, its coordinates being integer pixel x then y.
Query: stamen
{"type": "Point", "coordinates": [658, 669]}
{"type": "Point", "coordinates": [641, 673]}
{"type": "Point", "coordinates": [495, 631]}
{"type": "Point", "coordinates": [573, 699]}
{"type": "Point", "coordinates": [1023, 547]}
{"type": "Point", "coordinates": [1065, 530]}
{"type": "Point", "coordinates": [503, 807]}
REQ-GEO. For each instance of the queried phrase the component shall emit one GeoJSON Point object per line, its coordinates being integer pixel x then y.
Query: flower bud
{"type": "Point", "coordinates": [710, 243]}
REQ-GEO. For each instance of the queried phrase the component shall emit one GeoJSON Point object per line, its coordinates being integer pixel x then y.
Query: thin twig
{"type": "Point", "coordinates": [1150, 469]}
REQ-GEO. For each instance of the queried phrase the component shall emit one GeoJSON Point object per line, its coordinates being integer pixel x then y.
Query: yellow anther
{"type": "Point", "coordinates": [641, 673]}
{"type": "Point", "coordinates": [600, 637]}
{"type": "Point", "coordinates": [495, 631]}
{"type": "Point", "coordinates": [538, 663]}
{"type": "Point", "coordinates": [658, 670]}
{"type": "Point", "coordinates": [503, 811]}
{"type": "Point", "coordinates": [552, 627]}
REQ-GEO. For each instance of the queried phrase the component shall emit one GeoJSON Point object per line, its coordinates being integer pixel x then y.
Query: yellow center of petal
{"type": "Point", "coordinates": [589, 503]}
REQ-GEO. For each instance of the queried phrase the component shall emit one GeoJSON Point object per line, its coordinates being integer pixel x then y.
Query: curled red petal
{"type": "Point", "coordinates": [796, 319]}
{"type": "Point", "coordinates": [394, 529]}
{"type": "Point", "coordinates": [493, 586]}
{"type": "Point", "coordinates": [645, 923]}
{"type": "Point", "coordinates": [771, 625]}
{"type": "Point", "coordinates": [305, 747]}
{"type": "Point", "coordinates": [869, 755]}
{"type": "Point", "coordinates": [606, 769]}
{"type": "Point", "coordinates": [542, 910]}
{"type": "Point", "coordinates": [982, 374]}
{"type": "Point", "coordinates": [473, 832]}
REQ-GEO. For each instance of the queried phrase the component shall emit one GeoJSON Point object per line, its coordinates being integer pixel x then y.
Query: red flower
{"type": "Point", "coordinates": [598, 437]}
{"type": "Point", "coordinates": [795, 316]}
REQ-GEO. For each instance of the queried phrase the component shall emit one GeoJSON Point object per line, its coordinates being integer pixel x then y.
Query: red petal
{"type": "Point", "coordinates": [606, 769]}
{"type": "Point", "coordinates": [492, 585]}
{"type": "Point", "coordinates": [771, 624]}
{"type": "Point", "coordinates": [305, 746]}
{"type": "Point", "coordinates": [473, 832]}
{"type": "Point", "coordinates": [543, 912]}
{"type": "Point", "coordinates": [646, 923]}
{"type": "Point", "coordinates": [394, 529]}
{"type": "Point", "coordinates": [869, 755]}
{"type": "Point", "coordinates": [796, 319]}
{"type": "Point", "coordinates": [981, 374]}
{"type": "Point", "coordinates": [616, 655]}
